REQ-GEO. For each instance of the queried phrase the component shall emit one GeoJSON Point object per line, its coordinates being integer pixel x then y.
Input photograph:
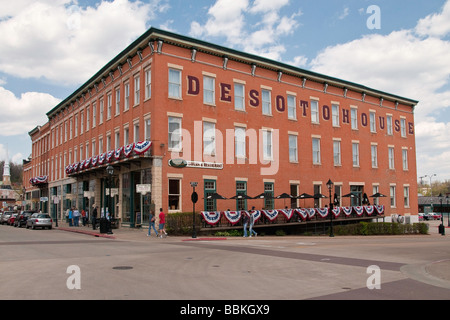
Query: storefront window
{"type": "Point", "coordinates": [174, 194]}
{"type": "Point", "coordinates": [126, 200]}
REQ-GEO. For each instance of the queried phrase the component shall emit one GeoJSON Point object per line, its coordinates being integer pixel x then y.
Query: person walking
{"type": "Point", "coordinates": [245, 222]}
{"type": "Point", "coordinates": [151, 222]}
{"type": "Point", "coordinates": [94, 217]}
{"type": "Point", "coordinates": [76, 217]}
{"type": "Point", "coordinates": [162, 223]}
{"type": "Point", "coordinates": [70, 216]}
{"type": "Point", "coordinates": [252, 222]}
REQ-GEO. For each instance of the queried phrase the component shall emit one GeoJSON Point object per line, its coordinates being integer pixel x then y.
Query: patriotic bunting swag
{"type": "Point", "coordinates": [136, 149]}
{"type": "Point", "coordinates": [233, 217]}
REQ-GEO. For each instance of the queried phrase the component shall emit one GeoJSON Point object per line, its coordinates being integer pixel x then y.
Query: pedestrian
{"type": "Point", "coordinates": [70, 217]}
{"type": "Point", "coordinates": [162, 223]}
{"type": "Point", "coordinates": [245, 222]}
{"type": "Point", "coordinates": [83, 217]}
{"type": "Point", "coordinates": [252, 222]}
{"type": "Point", "coordinates": [76, 217]}
{"type": "Point", "coordinates": [151, 225]}
{"type": "Point", "coordinates": [94, 217]}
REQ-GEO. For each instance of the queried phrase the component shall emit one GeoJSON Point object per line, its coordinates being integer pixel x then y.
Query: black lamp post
{"type": "Point", "coordinates": [448, 213]}
{"type": "Point", "coordinates": [105, 224]}
{"type": "Point", "coordinates": [441, 227]}
{"type": "Point", "coordinates": [194, 198]}
{"type": "Point", "coordinates": [330, 186]}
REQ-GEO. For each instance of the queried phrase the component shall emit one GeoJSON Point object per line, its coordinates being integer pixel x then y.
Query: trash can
{"type": "Point", "coordinates": [441, 229]}
{"type": "Point", "coordinates": [104, 228]}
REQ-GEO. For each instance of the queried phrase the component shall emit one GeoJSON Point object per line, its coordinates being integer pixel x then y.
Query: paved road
{"type": "Point", "coordinates": [34, 265]}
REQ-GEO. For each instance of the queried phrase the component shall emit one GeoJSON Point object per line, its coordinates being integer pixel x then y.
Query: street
{"type": "Point", "coordinates": [56, 264]}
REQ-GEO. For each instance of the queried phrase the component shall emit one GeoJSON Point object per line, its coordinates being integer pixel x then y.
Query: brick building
{"type": "Point", "coordinates": [242, 123]}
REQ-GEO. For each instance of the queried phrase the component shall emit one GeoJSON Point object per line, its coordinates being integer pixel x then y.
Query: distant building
{"type": "Point", "coordinates": [170, 110]}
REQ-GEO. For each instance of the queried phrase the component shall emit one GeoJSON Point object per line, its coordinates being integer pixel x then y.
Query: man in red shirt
{"type": "Point", "coordinates": [162, 223]}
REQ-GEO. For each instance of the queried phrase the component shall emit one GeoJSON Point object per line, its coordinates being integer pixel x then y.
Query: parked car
{"type": "Point", "coordinates": [5, 216]}
{"type": "Point", "coordinates": [434, 216]}
{"type": "Point", "coordinates": [11, 219]}
{"type": "Point", "coordinates": [39, 220]}
{"type": "Point", "coordinates": [21, 219]}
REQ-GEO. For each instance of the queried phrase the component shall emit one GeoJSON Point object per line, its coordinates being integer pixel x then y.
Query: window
{"type": "Point", "coordinates": [209, 136]}
{"type": "Point", "coordinates": [293, 154]}
{"type": "Point", "coordinates": [373, 125]}
{"type": "Point", "coordinates": [406, 196]}
{"type": "Point", "coordinates": [208, 90]}
{"type": "Point", "coordinates": [291, 104]}
{"type": "Point", "coordinates": [241, 189]}
{"type": "Point", "coordinates": [76, 125]}
{"type": "Point", "coordinates": [94, 150]}
{"type": "Point", "coordinates": [136, 132]}
{"type": "Point", "coordinates": [210, 188]}
{"type": "Point", "coordinates": [376, 189]}
{"type": "Point", "coordinates": [147, 123]}
{"type": "Point", "coordinates": [267, 145]}
{"type": "Point", "coordinates": [100, 145]}
{"type": "Point", "coordinates": [374, 155]}
{"type": "Point", "coordinates": [354, 118]}
{"type": "Point", "coordinates": [101, 112]}
{"type": "Point", "coordinates": [137, 90]}
{"type": "Point", "coordinates": [117, 139]}
{"type": "Point", "coordinates": [389, 125]}
{"type": "Point", "coordinates": [174, 83]}
{"type": "Point", "coordinates": [109, 106]}
{"type": "Point", "coordinates": [316, 150]}
{"type": "Point", "coordinates": [391, 158]}
{"type": "Point", "coordinates": [403, 127]}
{"type": "Point", "coordinates": [108, 143]}
{"type": "Point", "coordinates": [405, 159]}
{"type": "Point", "coordinates": [239, 142]}
{"type": "Point", "coordinates": [174, 194]}
{"type": "Point", "coordinates": [88, 118]}
{"type": "Point", "coordinates": [315, 111]}
{"type": "Point", "coordinates": [335, 115]}
{"type": "Point", "coordinates": [117, 101]}
{"type": "Point", "coordinates": [269, 190]}
{"type": "Point", "coordinates": [266, 102]}
{"type": "Point", "coordinates": [175, 134]}
{"type": "Point", "coordinates": [81, 122]}
{"type": "Point", "coordinates": [94, 115]}
{"type": "Point", "coordinates": [337, 153]}
{"type": "Point", "coordinates": [392, 196]}
{"type": "Point", "coordinates": [239, 101]}
{"type": "Point", "coordinates": [148, 83]}
{"type": "Point", "coordinates": [127, 96]}
{"type": "Point", "coordinates": [126, 136]}
{"type": "Point", "coordinates": [355, 152]}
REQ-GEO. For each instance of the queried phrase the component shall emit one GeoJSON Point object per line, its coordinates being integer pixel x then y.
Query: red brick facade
{"type": "Point", "coordinates": [266, 126]}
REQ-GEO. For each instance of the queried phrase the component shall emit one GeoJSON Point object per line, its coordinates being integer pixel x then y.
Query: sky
{"type": "Point", "coordinates": [48, 48]}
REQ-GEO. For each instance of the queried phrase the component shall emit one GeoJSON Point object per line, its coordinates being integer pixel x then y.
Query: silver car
{"type": "Point", "coordinates": [39, 220]}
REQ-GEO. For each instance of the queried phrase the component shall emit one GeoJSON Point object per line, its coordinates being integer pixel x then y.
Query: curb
{"type": "Point", "coordinates": [95, 234]}
{"type": "Point", "coordinates": [204, 239]}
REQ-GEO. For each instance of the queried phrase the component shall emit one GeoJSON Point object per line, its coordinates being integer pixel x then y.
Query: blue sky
{"type": "Point", "coordinates": [50, 47]}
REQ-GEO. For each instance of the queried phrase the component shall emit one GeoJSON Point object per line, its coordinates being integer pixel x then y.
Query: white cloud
{"type": "Point", "coordinates": [63, 42]}
{"type": "Point", "coordinates": [235, 20]}
{"type": "Point", "coordinates": [437, 24]}
{"type": "Point", "coordinates": [410, 64]}
{"type": "Point", "coordinates": [24, 113]}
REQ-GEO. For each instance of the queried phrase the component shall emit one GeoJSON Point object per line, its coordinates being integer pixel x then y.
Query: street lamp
{"type": "Point", "coordinates": [330, 186]}
{"type": "Point", "coordinates": [104, 222]}
{"type": "Point", "coordinates": [448, 213]}
{"type": "Point", "coordinates": [441, 227]}
{"type": "Point", "coordinates": [431, 189]}
{"type": "Point", "coordinates": [194, 198]}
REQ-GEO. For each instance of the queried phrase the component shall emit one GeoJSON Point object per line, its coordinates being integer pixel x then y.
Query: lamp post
{"type": "Point", "coordinates": [448, 213]}
{"type": "Point", "coordinates": [330, 186]}
{"type": "Point", "coordinates": [105, 224]}
{"type": "Point", "coordinates": [194, 198]}
{"type": "Point", "coordinates": [431, 189]}
{"type": "Point", "coordinates": [441, 226]}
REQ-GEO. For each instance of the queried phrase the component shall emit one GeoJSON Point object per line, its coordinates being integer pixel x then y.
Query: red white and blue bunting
{"type": "Point", "coordinates": [39, 180]}
{"type": "Point", "coordinates": [233, 217]}
{"type": "Point", "coordinates": [137, 149]}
